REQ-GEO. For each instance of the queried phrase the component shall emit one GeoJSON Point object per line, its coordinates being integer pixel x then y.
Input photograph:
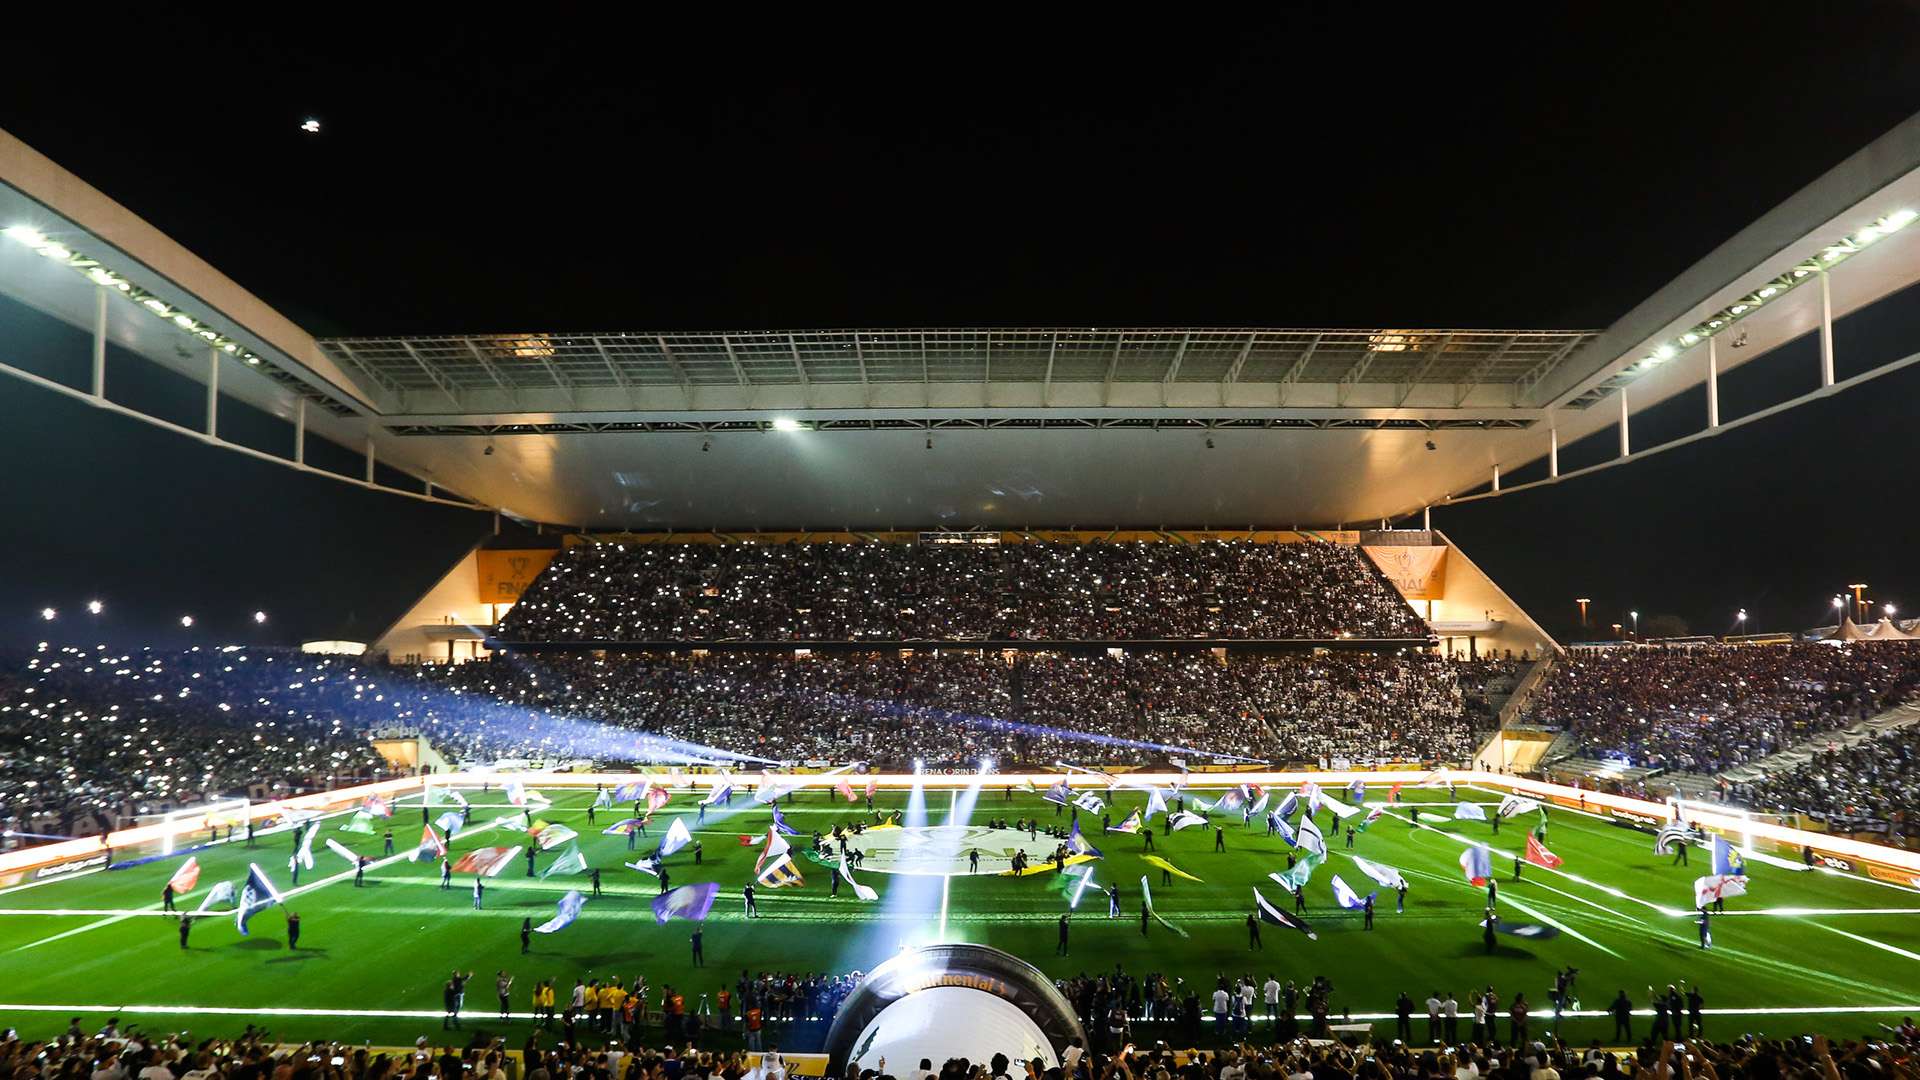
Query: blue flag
{"type": "Point", "coordinates": [569, 910]}
{"type": "Point", "coordinates": [448, 823]}
{"type": "Point", "coordinates": [686, 902]}
{"type": "Point", "coordinates": [1288, 804]}
{"type": "Point", "coordinates": [780, 821]}
{"type": "Point", "coordinates": [1059, 793]}
{"type": "Point", "coordinates": [1727, 861]}
{"type": "Point", "coordinates": [1285, 830]}
{"type": "Point", "coordinates": [1078, 844]}
{"type": "Point", "coordinates": [1347, 898]}
{"type": "Point", "coordinates": [1477, 863]}
{"type": "Point", "coordinates": [1357, 790]}
{"type": "Point", "coordinates": [256, 894]}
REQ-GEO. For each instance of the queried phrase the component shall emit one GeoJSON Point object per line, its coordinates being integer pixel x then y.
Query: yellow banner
{"type": "Point", "coordinates": [1420, 573]}
{"type": "Point", "coordinates": [504, 575]}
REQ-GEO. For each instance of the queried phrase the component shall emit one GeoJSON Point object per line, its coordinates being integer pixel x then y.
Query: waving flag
{"type": "Point", "coordinates": [845, 790]}
{"type": "Point", "coordinates": [1347, 898]}
{"type": "Point", "coordinates": [657, 797]}
{"type": "Point", "coordinates": [1477, 864]}
{"type": "Point", "coordinates": [1386, 875]}
{"type": "Point", "coordinates": [753, 841]}
{"type": "Point", "coordinates": [567, 910]}
{"type": "Point", "coordinates": [1203, 804]}
{"type": "Point", "coordinates": [1072, 883]}
{"type": "Point", "coordinates": [185, 878]}
{"type": "Point", "coordinates": [1310, 838]}
{"type": "Point", "coordinates": [1727, 861]}
{"type": "Point", "coordinates": [872, 786]}
{"type": "Point", "coordinates": [1078, 844]}
{"type": "Point", "coordinates": [569, 862]}
{"type": "Point", "coordinates": [257, 894]}
{"type": "Point", "coordinates": [1393, 793]}
{"type": "Point", "coordinates": [449, 822]}
{"type": "Point", "coordinates": [1373, 815]}
{"type": "Point", "coordinates": [776, 848]}
{"type": "Point", "coordinates": [603, 797]}
{"type": "Point", "coordinates": [1312, 791]}
{"type": "Point", "coordinates": [221, 893]}
{"type": "Point", "coordinates": [1261, 803]}
{"type": "Point", "coordinates": [1146, 901]}
{"type": "Point", "coordinates": [1538, 855]}
{"type": "Point", "coordinates": [691, 902]}
{"type": "Point", "coordinates": [645, 866]}
{"type": "Point", "coordinates": [1527, 930]}
{"type": "Point", "coordinates": [486, 861]}
{"type": "Point", "coordinates": [445, 796]}
{"type": "Point", "coordinates": [1231, 799]}
{"type": "Point", "coordinates": [780, 821]}
{"type": "Point", "coordinates": [1717, 887]}
{"type": "Point", "coordinates": [1468, 811]}
{"type": "Point", "coordinates": [1671, 833]}
{"type": "Point", "coordinates": [1340, 810]}
{"type": "Point", "coordinates": [677, 837]}
{"type": "Point", "coordinates": [1436, 778]}
{"type": "Point", "coordinates": [553, 836]}
{"type": "Point", "coordinates": [1132, 824]}
{"type": "Point", "coordinates": [377, 806]}
{"type": "Point", "coordinates": [771, 787]}
{"type": "Point", "coordinates": [1090, 802]}
{"type": "Point", "coordinates": [343, 851]}
{"type": "Point", "coordinates": [722, 789]}
{"type": "Point", "coordinates": [304, 856]}
{"type": "Point", "coordinates": [1516, 804]}
{"type": "Point", "coordinates": [431, 846]}
{"type": "Point", "coordinates": [1156, 804]}
{"type": "Point", "coordinates": [516, 793]}
{"type": "Point", "coordinates": [1288, 805]}
{"type": "Point", "coordinates": [1273, 915]}
{"type": "Point", "coordinates": [864, 892]}
{"type": "Point", "coordinates": [1185, 819]}
{"type": "Point", "coordinates": [361, 822]}
{"type": "Point", "coordinates": [780, 873]}
{"type": "Point", "coordinates": [1301, 872]}
{"type": "Point", "coordinates": [1357, 790]}
{"type": "Point", "coordinates": [1285, 830]}
{"type": "Point", "coordinates": [623, 827]}
{"type": "Point", "coordinates": [1059, 792]}
{"type": "Point", "coordinates": [1155, 860]}
{"type": "Point", "coordinates": [627, 792]}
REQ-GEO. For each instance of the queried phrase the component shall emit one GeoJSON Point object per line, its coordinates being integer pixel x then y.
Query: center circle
{"type": "Point", "coordinates": [942, 850]}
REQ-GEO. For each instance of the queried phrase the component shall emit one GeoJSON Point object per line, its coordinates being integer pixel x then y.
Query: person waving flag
{"type": "Point", "coordinates": [1270, 914]}
{"type": "Point", "coordinates": [1538, 855]}
{"type": "Point", "coordinates": [1477, 863]}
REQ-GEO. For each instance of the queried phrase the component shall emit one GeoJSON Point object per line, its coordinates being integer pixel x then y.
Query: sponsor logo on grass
{"type": "Point", "coordinates": [71, 866]}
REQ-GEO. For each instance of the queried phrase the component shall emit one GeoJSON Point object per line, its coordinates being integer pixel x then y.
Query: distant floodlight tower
{"type": "Point", "coordinates": [1583, 602]}
{"type": "Point", "coordinates": [259, 618]}
{"type": "Point", "coordinates": [311, 125]}
{"type": "Point", "coordinates": [1859, 600]}
{"type": "Point", "coordinates": [95, 607]}
{"type": "Point", "coordinates": [49, 614]}
{"type": "Point", "coordinates": [186, 621]}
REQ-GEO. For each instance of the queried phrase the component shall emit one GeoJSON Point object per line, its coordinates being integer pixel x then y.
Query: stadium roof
{"type": "Point", "coordinates": [959, 427]}
{"type": "Point", "coordinates": [435, 373]}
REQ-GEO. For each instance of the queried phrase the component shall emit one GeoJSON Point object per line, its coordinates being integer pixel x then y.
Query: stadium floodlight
{"type": "Point", "coordinates": [48, 613]}
{"type": "Point", "coordinates": [785, 423]}
{"type": "Point", "coordinates": [54, 251]}
{"type": "Point", "coordinates": [1888, 608]}
{"type": "Point", "coordinates": [259, 617]}
{"type": "Point", "coordinates": [1663, 352]}
{"type": "Point", "coordinates": [310, 125]}
{"type": "Point", "coordinates": [1898, 220]}
{"type": "Point", "coordinates": [186, 620]}
{"type": "Point", "coordinates": [25, 234]}
{"type": "Point", "coordinates": [95, 607]}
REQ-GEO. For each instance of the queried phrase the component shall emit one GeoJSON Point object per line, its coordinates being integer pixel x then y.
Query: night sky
{"type": "Point", "coordinates": [1330, 167]}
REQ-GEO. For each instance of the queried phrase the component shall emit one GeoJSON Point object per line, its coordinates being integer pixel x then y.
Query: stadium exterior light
{"type": "Point", "coordinates": [1888, 608]}
{"type": "Point", "coordinates": [186, 620]}
{"type": "Point", "coordinates": [95, 607]}
{"type": "Point", "coordinates": [259, 617]}
{"type": "Point", "coordinates": [48, 614]}
{"type": "Point", "coordinates": [785, 423]}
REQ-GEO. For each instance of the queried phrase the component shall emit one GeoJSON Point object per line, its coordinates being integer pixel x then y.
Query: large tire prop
{"type": "Point", "coordinates": [966, 967]}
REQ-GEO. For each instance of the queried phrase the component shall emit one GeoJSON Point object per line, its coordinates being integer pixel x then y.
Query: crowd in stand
{"type": "Point", "coordinates": [1708, 708]}
{"type": "Point", "coordinates": [85, 732]}
{"type": "Point", "coordinates": [929, 591]}
{"type": "Point", "coordinates": [582, 1050]}
{"type": "Point", "coordinates": [1872, 786]}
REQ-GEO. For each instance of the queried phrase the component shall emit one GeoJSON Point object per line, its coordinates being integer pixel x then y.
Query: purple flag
{"type": "Point", "coordinates": [686, 902]}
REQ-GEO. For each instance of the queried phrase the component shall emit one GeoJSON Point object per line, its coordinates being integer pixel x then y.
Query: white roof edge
{"type": "Point", "coordinates": [1872, 168]}
{"type": "Point", "coordinates": [40, 178]}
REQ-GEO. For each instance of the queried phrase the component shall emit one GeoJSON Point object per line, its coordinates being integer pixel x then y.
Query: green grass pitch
{"type": "Point", "coordinates": [373, 959]}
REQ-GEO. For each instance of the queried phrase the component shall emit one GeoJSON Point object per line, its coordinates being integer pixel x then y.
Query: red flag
{"type": "Point", "coordinates": [846, 791]}
{"type": "Point", "coordinates": [1393, 793]}
{"type": "Point", "coordinates": [486, 861]}
{"type": "Point", "coordinates": [377, 806]}
{"type": "Point", "coordinates": [431, 841]}
{"type": "Point", "coordinates": [656, 798]}
{"type": "Point", "coordinates": [185, 878]}
{"type": "Point", "coordinates": [1538, 855]}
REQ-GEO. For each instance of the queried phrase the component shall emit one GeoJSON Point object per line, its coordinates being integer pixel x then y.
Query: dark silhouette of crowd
{"type": "Point", "coordinates": [1872, 786]}
{"type": "Point", "coordinates": [933, 591]}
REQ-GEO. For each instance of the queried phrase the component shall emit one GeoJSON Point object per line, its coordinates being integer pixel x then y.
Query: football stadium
{"type": "Point", "coordinates": [964, 700]}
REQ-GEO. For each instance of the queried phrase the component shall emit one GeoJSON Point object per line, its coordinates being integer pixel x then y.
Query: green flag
{"type": "Point", "coordinates": [569, 862]}
{"type": "Point", "coordinates": [1301, 873]}
{"type": "Point", "coordinates": [360, 822]}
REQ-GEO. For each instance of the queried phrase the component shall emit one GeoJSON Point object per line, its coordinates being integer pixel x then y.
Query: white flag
{"type": "Point", "coordinates": [864, 892]}
{"type": "Point", "coordinates": [677, 837]}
